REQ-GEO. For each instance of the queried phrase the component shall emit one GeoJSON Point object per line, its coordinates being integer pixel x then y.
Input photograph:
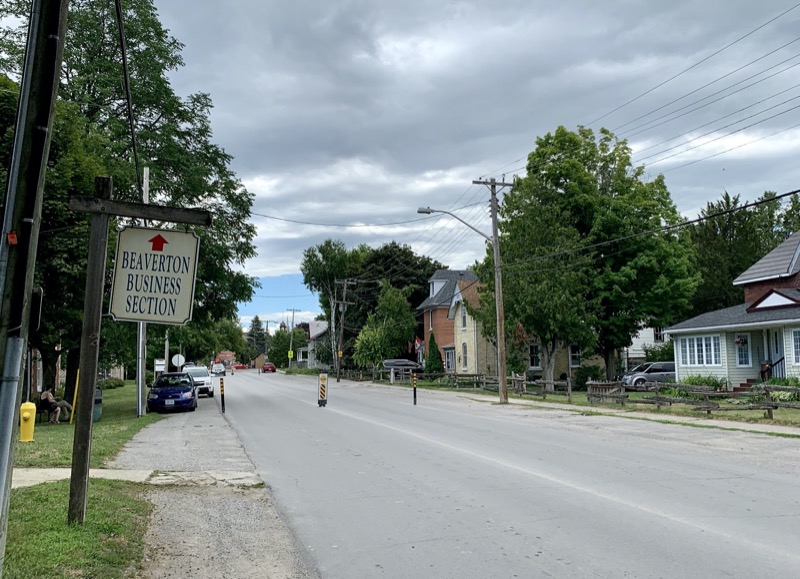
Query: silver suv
{"type": "Point", "coordinates": [202, 379]}
{"type": "Point", "coordinates": [650, 372]}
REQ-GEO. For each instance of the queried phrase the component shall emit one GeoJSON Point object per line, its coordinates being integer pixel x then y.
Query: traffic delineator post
{"type": "Point", "coordinates": [323, 389]}
{"type": "Point", "coordinates": [222, 394]}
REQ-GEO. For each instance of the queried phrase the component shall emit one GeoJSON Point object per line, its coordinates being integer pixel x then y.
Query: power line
{"type": "Point", "coordinates": [644, 126]}
{"type": "Point", "coordinates": [736, 122]}
{"type": "Point", "coordinates": [722, 136]}
{"type": "Point", "coordinates": [708, 84]}
{"type": "Point", "coordinates": [696, 64]}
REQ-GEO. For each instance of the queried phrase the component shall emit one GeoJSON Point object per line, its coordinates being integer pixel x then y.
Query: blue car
{"type": "Point", "coordinates": [172, 391]}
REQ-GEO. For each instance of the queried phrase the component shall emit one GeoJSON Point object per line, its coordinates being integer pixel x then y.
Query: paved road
{"type": "Point", "coordinates": [374, 486]}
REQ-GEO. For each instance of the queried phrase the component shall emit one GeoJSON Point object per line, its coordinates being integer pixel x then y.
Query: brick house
{"type": "Point", "coordinates": [443, 285]}
{"type": "Point", "coordinates": [755, 339]}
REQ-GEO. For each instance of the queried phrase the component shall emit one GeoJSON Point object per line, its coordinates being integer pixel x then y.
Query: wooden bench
{"type": "Point", "coordinates": [42, 411]}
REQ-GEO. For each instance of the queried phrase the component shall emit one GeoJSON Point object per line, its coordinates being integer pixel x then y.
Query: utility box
{"type": "Point", "coordinates": [97, 411]}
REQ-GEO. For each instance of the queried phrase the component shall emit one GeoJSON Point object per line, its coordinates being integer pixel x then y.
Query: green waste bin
{"type": "Point", "coordinates": [97, 412]}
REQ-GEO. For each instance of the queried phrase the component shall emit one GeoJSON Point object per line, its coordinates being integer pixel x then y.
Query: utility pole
{"type": "Point", "coordinates": [498, 292]}
{"type": "Point", "coordinates": [21, 220]}
{"type": "Point", "coordinates": [291, 336]}
{"type": "Point", "coordinates": [342, 307]}
{"type": "Point", "coordinates": [141, 327]}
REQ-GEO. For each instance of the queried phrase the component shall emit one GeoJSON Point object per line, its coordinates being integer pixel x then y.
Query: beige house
{"type": "Point", "coordinates": [474, 354]}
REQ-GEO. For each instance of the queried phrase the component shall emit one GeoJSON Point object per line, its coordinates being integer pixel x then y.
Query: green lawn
{"type": "Point", "coordinates": [110, 543]}
{"type": "Point", "coordinates": [52, 443]}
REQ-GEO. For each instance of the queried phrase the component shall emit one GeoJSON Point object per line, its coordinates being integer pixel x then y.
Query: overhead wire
{"type": "Point", "coordinates": [644, 126]}
{"type": "Point", "coordinates": [693, 66]}
{"type": "Point", "coordinates": [708, 84]}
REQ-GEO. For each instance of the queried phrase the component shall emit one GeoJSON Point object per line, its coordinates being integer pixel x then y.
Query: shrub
{"type": "Point", "coordinates": [710, 381]}
{"type": "Point", "coordinates": [586, 373]}
{"type": "Point", "coordinates": [659, 352]}
{"type": "Point", "coordinates": [110, 383]}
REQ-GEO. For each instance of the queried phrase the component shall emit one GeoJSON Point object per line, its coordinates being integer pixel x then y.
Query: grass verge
{"type": "Point", "coordinates": [108, 545]}
{"type": "Point", "coordinates": [52, 443]}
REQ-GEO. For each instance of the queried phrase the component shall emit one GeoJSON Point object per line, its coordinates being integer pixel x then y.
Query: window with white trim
{"type": "Point", "coordinates": [743, 357]}
{"type": "Point", "coordinates": [463, 317]}
{"type": "Point", "coordinates": [796, 345]}
{"type": "Point", "coordinates": [574, 356]}
{"type": "Point", "coordinates": [700, 351]}
{"type": "Point", "coordinates": [536, 356]}
{"type": "Point", "coordinates": [658, 335]}
{"type": "Point", "coordinates": [463, 355]}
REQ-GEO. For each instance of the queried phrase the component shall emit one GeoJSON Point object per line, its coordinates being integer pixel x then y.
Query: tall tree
{"type": "Point", "coordinates": [433, 357]}
{"type": "Point", "coordinates": [257, 335]}
{"type": "Point", "coordinates": [728, 241]}
{"type": "Point", "coordinates": [174, 138]}
{"type": "Point", "coordinates": [598, 210]}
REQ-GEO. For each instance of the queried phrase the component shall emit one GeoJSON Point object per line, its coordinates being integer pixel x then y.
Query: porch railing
{"type": "Point", "coordinates": [776, 369]}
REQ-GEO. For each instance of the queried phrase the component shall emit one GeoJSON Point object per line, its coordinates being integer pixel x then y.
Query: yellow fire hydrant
{"type": "Point", "coordinates": [27, 418]}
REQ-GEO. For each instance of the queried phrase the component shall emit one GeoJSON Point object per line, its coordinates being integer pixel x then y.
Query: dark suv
{"type": "Point", "coordinates": [650, 372]}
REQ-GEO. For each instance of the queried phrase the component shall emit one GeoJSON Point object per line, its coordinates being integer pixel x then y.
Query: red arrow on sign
{"type": "Point", "coordinates": [158, 242]}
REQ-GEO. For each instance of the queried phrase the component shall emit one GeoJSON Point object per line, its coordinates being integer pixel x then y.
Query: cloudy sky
{"type": "Point", "coordinates": [346, 116]}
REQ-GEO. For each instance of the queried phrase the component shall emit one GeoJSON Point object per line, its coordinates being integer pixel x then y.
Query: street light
{"type": "Point", "coordinates": [498, 290]}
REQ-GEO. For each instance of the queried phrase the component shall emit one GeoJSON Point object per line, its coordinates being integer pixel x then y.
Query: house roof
{"type": "Point", "coordinates": [316, 328]}
{"type": "Point", "coordinates": [467, 291]}
{"type": "Point", "coordinates": [780, 262]}
{"type": "Point", "coordinates": [444, 296]}
{"type": "Point", "coordinates": [743, 316]}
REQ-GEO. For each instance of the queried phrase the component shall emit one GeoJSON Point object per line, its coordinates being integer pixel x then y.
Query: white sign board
{"type": "Point", "coordinates": [154, 276]}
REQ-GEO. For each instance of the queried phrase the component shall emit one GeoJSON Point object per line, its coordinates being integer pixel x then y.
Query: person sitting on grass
{"type": "Point", "coordinates": [50, 402]}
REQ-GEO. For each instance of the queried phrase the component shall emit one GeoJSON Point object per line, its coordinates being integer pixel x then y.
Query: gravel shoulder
{"type": "Point", "coordinates": [213, 516]}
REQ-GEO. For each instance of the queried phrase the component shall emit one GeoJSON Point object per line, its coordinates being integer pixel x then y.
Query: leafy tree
{"type": "Point", "coordinates": [396, 265]}
{"type": "Point", "coordinates": [174, 138]}
{"type": "Point", "coordinates": [394, 315]}
{"type": "Point", "coordinates": [388, 330]}
{"type": "Point", "coordinates": [604, 207]}
{"type": "Point", "coordinates": [546, 278]}
{"type": "Point", "coordinates": [279, 346]}
{"type": "Point", "coordinates": [728, 244]}
{"type": "Point", "coordinates": [370, 346]}
{"type": "Point", "coordinates": [322, 266]}
{"type": "Point", "coordinates": [433, 357]}
{"type": "Point", "coordinates": [257, 336]}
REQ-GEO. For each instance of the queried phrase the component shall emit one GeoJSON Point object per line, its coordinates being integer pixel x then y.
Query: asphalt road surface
{"type": "Point", "coordinates": [456, 486]}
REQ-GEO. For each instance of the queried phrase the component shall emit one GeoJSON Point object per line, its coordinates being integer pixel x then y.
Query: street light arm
{"type": "Point", "coordinates": [428, 211]}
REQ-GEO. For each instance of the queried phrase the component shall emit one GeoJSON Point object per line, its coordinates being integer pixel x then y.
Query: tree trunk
{"type": "Point", "coordinates": [611, 364]}
{"type": "Point", "coordinates": [73, 361]}
{"type": "Point", "coordinates": [549, 364]}
{"type": "Point", "coordinates": [50, 373]}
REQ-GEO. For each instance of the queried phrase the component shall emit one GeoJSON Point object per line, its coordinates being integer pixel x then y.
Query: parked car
{"type": "Point", "coordinates": [202, 380]}
{"type": "Point", "coordinates": [401, 364]}
{"type": "Point", "coordinates": [650, 372]}
{"type": "Point", "coordinates": [218, 369]}
{"type": "Point", "coordinates": [268, 367]}
{"type": "Point", "coordinates": [172, 391]}
{"type": "Point", "coordinates": [240, 366]}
